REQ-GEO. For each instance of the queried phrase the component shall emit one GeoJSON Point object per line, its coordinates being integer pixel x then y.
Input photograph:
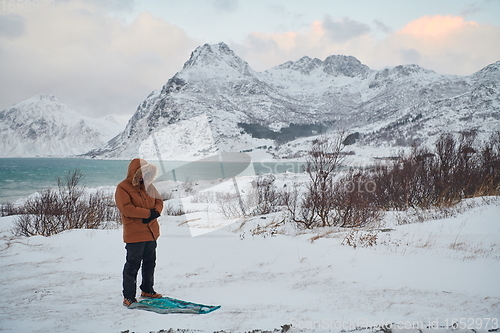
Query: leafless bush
{"type": "Point", "coordinates": [457, 169]}
{"type": "Point", "coordinates": [294, 211]}
{"type": "Point", "coordinates": [424, 179]}
{"type": "Point", "coordinates": [204, 197]}
{"type": "Point", "coordinates": [317, 204]}
{"type": "Point", "coordinates": [166, 195]}
{"type": "Point", "coordinates": [270, 229]}
{"type": "Point", "coordinates": [264, 198]}
{"type": "Point", "coordinates": [354, 201]}
{"type": "Point", "coordinates": [68, 207]}
{"type": "Point", "coordinates": [267, 198]}
{"type": "Point", "coordinates": [230, 205]}
{"type": "Point", "coordinates": [8, 209]}
{"type": "Point", "coordinates": [348, 202]}
{"type": "Point", "coordinates": [405, 183]}
{"type": "Point", "coordinates": [489, 162]}
{"type": "Point", "coordinates": [172, 210]}
{"type": "Point", "coordinates": [356, 238]}
{"type": "Point", "coordinates": [187, 186]}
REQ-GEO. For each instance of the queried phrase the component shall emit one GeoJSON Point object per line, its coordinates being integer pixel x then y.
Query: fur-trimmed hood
{"type": "Point", "coordinates": [139, 168]}
{"type": "Point", "coordinates": [135, 201]}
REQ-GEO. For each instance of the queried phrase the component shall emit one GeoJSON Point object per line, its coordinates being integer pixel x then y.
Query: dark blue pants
{"type": "Point", "coordinates": [144, 252]}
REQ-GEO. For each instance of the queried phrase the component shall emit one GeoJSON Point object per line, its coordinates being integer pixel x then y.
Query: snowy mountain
{"type": "Point", "coordinates": [43, 126]}
{"type": "Point", "coordinates": [240, 109]}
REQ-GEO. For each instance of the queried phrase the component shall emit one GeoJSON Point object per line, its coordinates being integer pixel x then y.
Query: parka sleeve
{"type": "Point", "coordinates": [158, 201]}
{"type": "Point", "coordinates": [159, 205]}
{"type": "Point", "coordinates": [125, 206]}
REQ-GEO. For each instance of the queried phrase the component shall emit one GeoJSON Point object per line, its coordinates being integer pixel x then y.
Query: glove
{"type": "Point", "coordinates": [154, 215]}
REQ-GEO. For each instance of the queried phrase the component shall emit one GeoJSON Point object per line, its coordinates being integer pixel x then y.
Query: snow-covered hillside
{"type": "Point", "coordinates": [392, 106]}
{"type": "Point", "coordinates": [43, 126]}
{"type": "Point", "coordinates": [476, 108]}
{"type": "Point", "coordinates": [422, 277]}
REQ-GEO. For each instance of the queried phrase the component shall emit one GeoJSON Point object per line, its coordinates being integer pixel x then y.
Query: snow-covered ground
{"type": "Point", "coordinates": [424, 274]}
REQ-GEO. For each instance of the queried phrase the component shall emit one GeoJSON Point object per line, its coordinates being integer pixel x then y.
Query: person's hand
{"type": "Point", "coordinates": [154, 215]}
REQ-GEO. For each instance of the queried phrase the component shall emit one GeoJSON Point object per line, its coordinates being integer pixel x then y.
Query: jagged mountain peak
{"type": "Point", "coordinates": [341, 65]}
{"type": "Point", "coordinates": [307, 62]}
{"type": "Point", "coordinates": [41, 99]}
{"type": "Point", "coordinates": [216, 55]}
{"type": "Point", "coordinates": [335, 65]}
{"type": "Point", "coordinates": [304, 65]}
{"type": "Point", "coordinates": [490, 72]}
{"type": "Point", "coordinates": [494, 67]}
{"type": "Point", "coordinates": [402, 71]}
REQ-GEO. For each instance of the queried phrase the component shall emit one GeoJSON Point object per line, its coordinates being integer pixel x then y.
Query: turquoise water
{"type": "Point", "coordinates": [20, 177]}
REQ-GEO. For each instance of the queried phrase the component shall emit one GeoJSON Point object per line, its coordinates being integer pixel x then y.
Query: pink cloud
{"type": "Point", "coordinates": [436, 26]}
{"type": "Point", "coordinates": [445, 44]}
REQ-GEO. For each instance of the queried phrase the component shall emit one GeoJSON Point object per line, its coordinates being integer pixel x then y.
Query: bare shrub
{"type": "Point", "coordinates": [489, 164]}
{"type": "Point", "coordinates": [68, 207]}
{"type": "Point", "coordinates": [230, 205]}
{"type": "Point", "coordinates": [294, 212]}
{"type": "Point", "coordinates": [204, 197]}
{"type": "Point", "coordinates": [354, 201]}
{"type": "Point", "coordinates": [348, 202]}
{"type": "Point", "coordinates": [187, 186]}
{"type": "Point", "coordinates": [270, 229]}
{"type": "Point", "coordinates": [166, 195]}
{"type": "Point", "coordinates": [267, 198]}
{"type": "Point", "coordinates": [263, 199]}
{"type": "Point", "coordinates": [323, 160]}
{"type": "Point", "coordinates": [356, 238]}
{"type": "Point", "coordinates": [457, 168]}
{"type": "Point", "coordinates": [8, 209]}
{"type": "Point", "coordinates": [420, 181]}
{"type": "Point", "coordinates": [171, 210]}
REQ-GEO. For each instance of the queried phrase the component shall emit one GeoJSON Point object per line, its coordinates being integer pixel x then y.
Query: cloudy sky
{"type": "Point", "coordinates": [103, 57]}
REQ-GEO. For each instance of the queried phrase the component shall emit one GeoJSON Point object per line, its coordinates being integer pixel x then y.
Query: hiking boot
{"type": "Point", "coordinates": [128, 302]}
{"type": "Point", "coordinates": [152, 294]}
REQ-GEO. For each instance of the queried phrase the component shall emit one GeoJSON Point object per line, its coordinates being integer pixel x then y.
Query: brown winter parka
{"type": "Point", "coordinates": [135, 200]}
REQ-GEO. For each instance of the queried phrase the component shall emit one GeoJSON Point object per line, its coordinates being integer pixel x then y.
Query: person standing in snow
{"type": "Point", "coordinates": [140, 205]}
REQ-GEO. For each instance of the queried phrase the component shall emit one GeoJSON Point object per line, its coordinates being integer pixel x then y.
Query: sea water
{"type": "Point", "coordinates": [20, 177]}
